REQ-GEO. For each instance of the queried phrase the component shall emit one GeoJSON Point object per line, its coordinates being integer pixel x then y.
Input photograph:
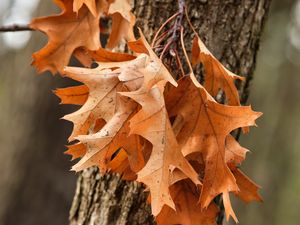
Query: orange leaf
{"type": "Point", "coordinates": [87, 57]}
{"type": "Point", "coordinates": [188, 211]}
{"type": "Point", "coordinates": [91, 4]}
{"type": "Point", "coordinates": [77, 150]}
{"type": "Point", "coordinates": [122, 22]}
{"type": "Point", "coordinates": [206, 126]}
{"type": "Point", "coordinates": [103, 55]}
{"type": "Point", "coordinates": [102, 87]}
{"type": "Point", "coordinates": [66, 32]}
{"type": "Point", "coordinates": [137, 46]}
{"type": "Point", "coordinates": [217, 77]}
{"type": "Point", "coordinates": [152, 123]}
{"type": "Point", "coordinates": [103, 144]}
{"type": "Point", "coordinates": [83, 56]}
{"type": "Point", "coordinates": [234, 153]}
{"type": "Point", "coordinates": [76, 95]}
{"type": "Point", "coordinates": [120, 164]}
{"type": "Point", "coordinates": [248, 189]}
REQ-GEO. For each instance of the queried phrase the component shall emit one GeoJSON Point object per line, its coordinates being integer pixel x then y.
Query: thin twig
{"type": "Point", "coordinates": [162, 26]}
{"type": "Point", "coordinates": [184, 51]}
{"type": "Point", "coordinates": [189, 21]}
{"type": "Point", "coordinates": [15, 27]}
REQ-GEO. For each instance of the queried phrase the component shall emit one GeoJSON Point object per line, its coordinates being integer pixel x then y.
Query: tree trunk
{"type": "Point", "coordinates": [231, 29]}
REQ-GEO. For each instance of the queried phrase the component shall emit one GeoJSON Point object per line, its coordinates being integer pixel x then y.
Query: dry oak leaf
{"type": "Point", "coordinates": [235, 154]}
{"type": "Point", "coordinates": [138, 46]}
{"type": "Point", "coordinates": [87, 57]}
{"type": "Point", "coordinates": [102, 84]}
{"type": "Point", "coordinates": [152, 123]}
{"type": "Point", "coordinates": [91, 4]}
{"type": "Point", "coordinates": [120, 164]}
{"type": "Point", "coordinates": [206, 126]}
{"type": "Point", "coordinates": [248, 189]}
{"type": "Point", "coordinates": [104, 102]}
{"type": "Point", "coordinates": [77, 150]}
{"type": "Point", "coordinates": [103, 55]}
{"type": "Point", "coordinates": [123, 21]}
{"type": "Point", "coordinates": [188, 211]}
{"type": "Point", "coordinates": [217, 77]}
{"type": "Point", "coordinates": [101, 100]}
{"type": "Point", "coordinates": [83, 56]}
{"type": "Point", "coordinates": [66, 31]}
{"type": "Point", "coordinates": [101, 146]}
{"type": "Point", "coordinates": [76, 95]}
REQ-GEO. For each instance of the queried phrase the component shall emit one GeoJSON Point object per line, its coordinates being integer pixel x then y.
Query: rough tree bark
{"type": "Point", "coordinates": [231, 29]}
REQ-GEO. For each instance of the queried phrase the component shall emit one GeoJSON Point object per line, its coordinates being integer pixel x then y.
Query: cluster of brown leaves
{"type": "Point", "coordinates": [137, 120]}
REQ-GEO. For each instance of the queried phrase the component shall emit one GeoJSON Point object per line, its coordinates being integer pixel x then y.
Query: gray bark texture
{"type": "Point", "coordinates": [231, 29]}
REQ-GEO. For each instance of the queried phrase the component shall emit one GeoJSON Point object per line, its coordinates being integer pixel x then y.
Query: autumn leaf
{"type": "Point", "coordinates": [235, 154]}
{"type": "Point", "coordinates": [87, 57]}
{"type": "Point", "coordinates": [103, 55]}
{"type": "Point", "coordinates": [91, 4]}
{"type": "Point", "coordinates": [152, 123]}
{"type": "Point", "coordinates": [138, 46]}
{"type": "Point", "coordinates": [120, 164]}
{"type": "Point", "coordinates": [248, 189]}
{"type": "Point", "coordinates": [77, 150]}
{"type": "Point", "coordinates": [101, 101]}
{"type": "Point", "coordinates": [206, 126]}
{"type": "Point", "coordinates": [103, 144]}
{"type": "Point", "coordinates": [188, 211]}
{"type": "Point", "coordinates": [76, 95]}
{"type": "Point", "coordinates": [83, 56]}
{"type": "Point", "coordinates": [123, 21]}
{"type": "Point", "coordinates": [103, 84]}
{"type": "Point", "coordinates": [66, 31]}
{"type": "Point", "coordinates": [217, 77]}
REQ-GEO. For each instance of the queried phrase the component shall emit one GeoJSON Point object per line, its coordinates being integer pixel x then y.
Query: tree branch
{"type": "Point", "coordinates": [15, 27]}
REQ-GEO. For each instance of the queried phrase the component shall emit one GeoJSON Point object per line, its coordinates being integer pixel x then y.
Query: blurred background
{"type": "Point", "coordinates": [36, 186]}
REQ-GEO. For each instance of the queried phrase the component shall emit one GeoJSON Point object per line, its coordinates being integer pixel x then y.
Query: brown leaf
{"type": "Point", "coordinates": [248, 189]}
{"type": "Point", "coordinates": [77, 150]}
{"type": "Point", "coordinates": [83, 56]}
{"type": "Point", "coordinates": [206, 126]}
{"type": "Point", "coordinates": [114, 135]}
{"type": "Point", "coordinates": [76, 95]}
{"type": "Point", "coordinates": [101, 101]}
{"type": "Point", "coordinates": [104, 102]}
{"type": "Point", "coordinates": [235, 154]}
{"type": "Point", "coordinates": [87, 57]}
{"type": "Point", "coordinates": [152, 123]}
{"type": "Point", "coordinates": [66, 32]}
{"type": "Point", "coordinates": [103, 55]}
{"type": "Point", "coordinates": [91, 4]}
{"type": "Point", "coordinates": [120, 164]}
{"type": "Point", "coordinates": [217, 77]}
{"type": "Point", "coordinates": [188, 211]}
{"type": "Point", "coordinates": [123, 21]}
{"type": "Point", "coordinates": [137, 46]}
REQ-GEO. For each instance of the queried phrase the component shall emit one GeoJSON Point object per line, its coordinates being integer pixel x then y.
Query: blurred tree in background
{"type": "Point", "coordinates": [35, 184]}
{"type": "Point", "coordinates": [275, 90]}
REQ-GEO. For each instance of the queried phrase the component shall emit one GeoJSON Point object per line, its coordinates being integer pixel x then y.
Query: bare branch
{"type": "Point", "coordinates": [15, 27]}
